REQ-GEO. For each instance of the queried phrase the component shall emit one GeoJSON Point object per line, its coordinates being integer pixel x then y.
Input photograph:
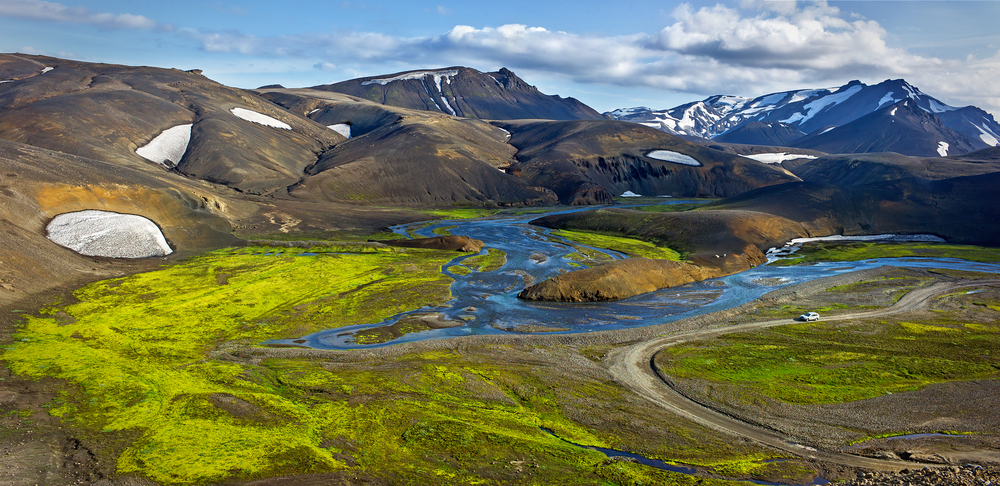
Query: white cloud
{"type": "Point", "coordinates": [765, 47]}
{"type": "Point", "coordinates": [57, 12]}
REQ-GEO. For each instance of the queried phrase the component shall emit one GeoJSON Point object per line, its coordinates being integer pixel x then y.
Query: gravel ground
{"type": "Point", "coordinates": [967, 475]}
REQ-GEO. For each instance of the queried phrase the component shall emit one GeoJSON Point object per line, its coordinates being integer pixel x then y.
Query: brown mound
{"type": "Point", "coordinates": [453, 242]}
{"type": "Point", "coordinates": [717, 243]}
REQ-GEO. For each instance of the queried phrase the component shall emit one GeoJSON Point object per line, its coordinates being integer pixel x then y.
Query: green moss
{"type": "Point", "coordinates": [669, 208]}
{"type": "Point", "coordinates": [444, 230]}
{"type": "Point", "coordinates": [491, 261]}
{"type": "Point", "coordinates": [826, 363]}
{"type": "Point", "coordinates": [629, 246]}
{"type": "Point", "coordinates": [461, 213]}
{"type": "Point", "coordinates": [137, 350]}
{"type": "Point", "coordinates": [854, 251]}
{"type": "Point", "coordinates": [459, 270]}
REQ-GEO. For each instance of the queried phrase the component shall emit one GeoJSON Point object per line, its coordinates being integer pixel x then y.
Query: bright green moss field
{"type": "Point", "coordinates": [137, 349]}
{"type": "Point", "coordinates": [849, 252]}
{"type": "Point", "coordinates": [629, 246]}
{"type": "Point", "coordinates": [491, 261]}
{"type": "Point", "coordinates": [154, 372]}
{"type": "Point", "coordinates": [814, 363]}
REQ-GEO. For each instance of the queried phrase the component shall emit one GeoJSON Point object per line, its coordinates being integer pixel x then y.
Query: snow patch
{"type": "Point", "coordinates": [259, 118]}
{"type": "Point", "coordinates": [814, 107]}
{"type": "Point", "coordinates": [341, 128]}
{"type": "Point", "coordinates": [987, 135]}
{"type": "Point", "coordinates": [630, 194]}
{"type": "Point", "coordinates": [413, 75]}
{"type": "Point", "coordinates": [674, 157]}
{"type": "Point", "coordinates": [7, 81]}
{"type": "Point", "coordinates": [886, 99]}
{"type": "Point", "coordinates": [827, 130]}
{"type": "Point", "coordinates": [311, 112]}
{"type": "Point", "coordinates": [168, 147]}
{"type": "Point", "coordinates": [108, 234]}
{"type": "Point", "coordinates": [942, 149]}
{"type": "Point", "coordinates": [938, 107]}
{"type": "Point", "coordinates": [47, 69]}
{"type": "Point", "coordinates": [884, 237]}
{"type": "Point", "coordinates": [770, 100]}
{"type": "Point", "coordinates": [777, 158]}
{"type": "Point", "coordinates": [806, 94]}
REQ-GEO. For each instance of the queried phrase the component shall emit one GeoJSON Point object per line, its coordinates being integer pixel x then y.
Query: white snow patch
{"type": "Point", "coordinates": [7, 81]}
{"type": "Point", "coordinates": [108, 234]}
{"type": "Point", "coordinates": [259, 118]}
{"type": "Point", "coordinates": [669, 156]}
{"type": "Point", "coordinates": [886, 99]}
{"type": "Point", "coordinates": [413, 75]}
{"type": "Point", "coordinates": [893, 112]}
{"type": "Point", "coordinates": [446, 105]}
{"type": "Point", "coordinates": [630, 194]}
{"type": "Point", "coordinates": [495, 81]}
{"type": "Point", "coordinates": [777, 158]}
{"type": "Point", "coordinates": [311, 112]}
{"type": "Point", "coordinates": [987, 135]}
{"type": "Point", "coordinates": [168, 147]}
{"type": "Point", "coordinates": [883, 237]}
{"type": "Point", "coordinates": [938, 107]}
{"type": "Point", "coordinates": [47, 69]}
{"type": "Point", "coordinates": [827, 130]}
{"type": "Point", "coordinates": [806, 94]}
{"type": "Point", "coordinates": [814, 107]}
{"type": "Point", "coordinates": [770, 100]}
{"type": "Point", "coordinates": [942, 149]}
{"type": "Point", "coordinates": [341, 128]}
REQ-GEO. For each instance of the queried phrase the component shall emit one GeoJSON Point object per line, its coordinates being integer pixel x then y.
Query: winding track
{"type": "Point", "coordinates": [633, 367]}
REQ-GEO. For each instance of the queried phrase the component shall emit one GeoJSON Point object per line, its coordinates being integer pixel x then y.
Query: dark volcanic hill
{"type": "Point", "coordinates": [903, 128]}
{"type": "Point", "coordinates": [859, 169]}
{"type": "Point", "coordinates": [465, 92]}
{"type": "Point", "coordinates": [589, 161]}
{"type": "Point", "coordinates": [960, 209]}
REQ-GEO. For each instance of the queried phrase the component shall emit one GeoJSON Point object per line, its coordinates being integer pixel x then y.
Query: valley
{"type": "Point", "coordinates": [445, 276]}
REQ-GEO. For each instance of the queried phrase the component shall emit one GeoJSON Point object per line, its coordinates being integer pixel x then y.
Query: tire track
{"type": "Point", "coordinates": [633, 367]}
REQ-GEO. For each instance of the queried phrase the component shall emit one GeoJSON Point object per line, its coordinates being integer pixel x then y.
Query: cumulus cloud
{"type": "Point", "coordinates": [57, 12]}
{"type": "Point", "coordinates": [761, 47]}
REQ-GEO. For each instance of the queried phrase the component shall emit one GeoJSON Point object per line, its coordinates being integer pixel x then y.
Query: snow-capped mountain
{"type": "Point", "coordinates": [808, 111]}
{"type": "Point", "coordinates": [465, 92]}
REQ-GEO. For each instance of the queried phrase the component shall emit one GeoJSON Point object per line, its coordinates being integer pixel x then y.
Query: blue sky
{"type": "Point", "coordinates": [607, 54]}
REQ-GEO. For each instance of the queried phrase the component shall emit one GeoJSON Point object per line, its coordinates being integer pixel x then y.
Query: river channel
{"type": "Point", "coordinates": [487, 301]}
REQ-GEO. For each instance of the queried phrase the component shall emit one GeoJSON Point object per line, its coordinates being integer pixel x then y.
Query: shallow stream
{"type": "Point", "coordinates": [487, 301]}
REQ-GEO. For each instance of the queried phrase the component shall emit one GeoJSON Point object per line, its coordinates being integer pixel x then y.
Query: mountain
{"type": "Point", "coordinates": [903, 128]}
{"type": "Point", "coordinates": [465, 92]}
{"type": "Point", "coordinates": [808, 111]}
{"type": "Point", "coordinates": [753, 133]}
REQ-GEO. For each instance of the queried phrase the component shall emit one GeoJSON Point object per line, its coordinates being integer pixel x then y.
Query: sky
{"type": "Point", "coordinates": [609, 55]}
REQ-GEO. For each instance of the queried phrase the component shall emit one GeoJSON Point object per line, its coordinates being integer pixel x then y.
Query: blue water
{"type": "Point", "coordinates": [488, 301]}
{"type": "Point", "coordinates": [673, 467]}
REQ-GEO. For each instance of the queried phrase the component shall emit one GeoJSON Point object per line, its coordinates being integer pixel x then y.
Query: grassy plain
{"type": "Point", "coordinates": [630, 246]}
{"type": "Point", "coordinates": [854, 251]}
{"type": "Point", "coordinates": [820, 362]}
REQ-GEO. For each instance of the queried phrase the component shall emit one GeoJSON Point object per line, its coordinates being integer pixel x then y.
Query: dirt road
{"type": "Point", "coordinates": [633, 367]}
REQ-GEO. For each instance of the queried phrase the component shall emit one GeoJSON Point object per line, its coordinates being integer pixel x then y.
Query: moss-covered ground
{"type": "Point", "coordinates": [153, 372]}
{"type": "Point", "coordinates": [461, 213]}
{"type": "Point", "coordinates": [820, 362]}
{"type": "Point", "coordinates": [630, 246]}
{"type": "Point", "coordinates": [491, 261]}
{"type": "Point", "coordinates": [842, 252]}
